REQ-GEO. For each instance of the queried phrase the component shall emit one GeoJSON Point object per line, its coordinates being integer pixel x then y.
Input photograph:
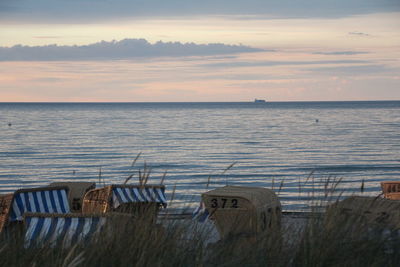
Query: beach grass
{"type": "Point", "coordinates": [328, 240]}
{"type": "Point", "coordinates": [325, 237]}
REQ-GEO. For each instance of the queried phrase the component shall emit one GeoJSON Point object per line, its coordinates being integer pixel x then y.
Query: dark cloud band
{"type": "Point", "coordinates": [74, 11]}
{"type": "Point", "coordinates": [114, 50]}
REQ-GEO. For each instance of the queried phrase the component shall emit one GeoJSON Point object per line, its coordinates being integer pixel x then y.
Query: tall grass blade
{"type": "Point", "coordinates": [228, 168]}
{"type": "Point", "coordinates": [134, 161]}
{"type": "Point", "coordinates": [163, 178]}
{"type": "Point", "coordinates": [147, 176]}
{"type": "Point", "coordinates": [172, 195]}
{"type": "Point", "coordinates": [140, 178]}
{"type": "Point", "coordinates": [129, 177]}
{"type": "Point", "coordinates": [100, 175]}
{"type": "Point", "coordinates": [362, 186]}
{"type": "Point", "coordinates": [208, 181]}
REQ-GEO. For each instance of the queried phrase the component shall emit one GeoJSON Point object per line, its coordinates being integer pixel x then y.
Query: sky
{"type": "Point", "coordinates": [195, 51]}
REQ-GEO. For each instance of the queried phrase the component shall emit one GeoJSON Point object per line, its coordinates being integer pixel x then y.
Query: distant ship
{"type": "Point", "coordinates": [259, 100]}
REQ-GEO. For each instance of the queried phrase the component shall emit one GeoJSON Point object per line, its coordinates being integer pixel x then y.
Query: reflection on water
{"type": "Point", "coordinates": [270, 144]}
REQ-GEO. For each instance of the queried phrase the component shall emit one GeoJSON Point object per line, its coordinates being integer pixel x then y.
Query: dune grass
{"type": "Point", "coordinates": [324, 239]}
{"type": "Point", "coordinates": [329, 240]}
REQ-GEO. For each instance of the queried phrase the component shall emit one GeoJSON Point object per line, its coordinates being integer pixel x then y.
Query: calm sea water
{"type": "Point", "coordinates": [294, 147]}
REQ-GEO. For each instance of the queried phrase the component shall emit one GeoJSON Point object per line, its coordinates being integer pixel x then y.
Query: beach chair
{"type": "Point", "coordinates": [133, 199]}
{"type": "Point", "coordinates": [43, 229]}
{"type": "Point", "coordinates": [391, 190]}
{"type": "Point", "coordinates": [239, 210]}
{"type": "Point", "coordinates": [42, 199]}
{"type": "Point", "coordinates": [373, 212]}
{"type": "Point", "coordinates": [5, 205]}
{"type": "Point", "coordinates": [76, 192]}
{"type": "Point", "coordinates": [50, 228]}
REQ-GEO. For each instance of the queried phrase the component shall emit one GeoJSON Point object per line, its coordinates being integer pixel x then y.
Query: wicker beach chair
{"type": "Point", "coordinates": [391, 190]}
{"type": "Point", "coordinates": [5, 205]}
{"type": "Point", "coordinates": [43, 229]}
{"type": "Point", "coordinates": [133, 199]}
{"type": "Point", "coordinates": [239, 210]}
{"type": "Point", "coordinates": [42, 199]}
{"type": "Point", "coordinates": [369, 211]}
{"type": "Point", "coordinates": [77, 191]}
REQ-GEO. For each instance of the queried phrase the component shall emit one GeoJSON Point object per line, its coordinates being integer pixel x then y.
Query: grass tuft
{"type": "Point", "coordinates": [328, 238]}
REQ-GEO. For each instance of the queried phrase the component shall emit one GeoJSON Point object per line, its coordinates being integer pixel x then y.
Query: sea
{"type": "Point", "coordinates": [309, 153]}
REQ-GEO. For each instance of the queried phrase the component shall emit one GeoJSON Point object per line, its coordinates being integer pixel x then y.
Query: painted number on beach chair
{"type": "Point", "coordinates": [234, 203]}
{"type": "Point", "coordinates": [214, 203]}
{"type": "Point", "coordinates": [224, 203]}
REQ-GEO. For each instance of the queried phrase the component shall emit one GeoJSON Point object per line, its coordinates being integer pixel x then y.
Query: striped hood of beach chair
{"type": "Point", "coordinates": [200, 214]}
{"type": "Point", "coordinates": [45, 200]}
{"type": "Point", "coordinates": [69, 229]}
{"type": "Point", "coordinates": [147, 194]}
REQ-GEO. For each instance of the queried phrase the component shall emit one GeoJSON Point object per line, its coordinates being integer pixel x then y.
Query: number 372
{"type": "Point", "coordinates": [224, 203]}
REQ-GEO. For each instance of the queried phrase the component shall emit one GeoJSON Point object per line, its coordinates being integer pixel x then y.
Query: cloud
{"type": "Point", "coordinates": [89, 10]}
{"type": "Point", "coordinates": [47, 37]}
{"type": "Point", "coordinates": [340, 53]}
{"type": "Point", "coordinates": [280, 63]}
{"type": "Point", "coordinates": [353, 70]}
{"type": "Point", "coordinates": [361, 34]}
{"type": "Point", "coordinates": [118, 50]}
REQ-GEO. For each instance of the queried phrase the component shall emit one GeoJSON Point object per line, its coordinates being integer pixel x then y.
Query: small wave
{"type": "Point", "coordinates": [349, 168]}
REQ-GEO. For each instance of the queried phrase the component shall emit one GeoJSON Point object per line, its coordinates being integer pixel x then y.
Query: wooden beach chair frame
{"type": "Point", "coordinates": [101, 200]}
{"type": "Point", "coordinates": [6, 202]}
{"type": "Point", "coordinates": [5, 205]}
{"type": "Point", "coordinates": [76, 193]}
{"type": "Point", "coordinates": [391, 190]}
{"type": "Point", "coordinates": [50, 228]}
{"type": "Point", "coordinates": [239, 210]}
{"type": "Point", "coordinates": [371, 211]}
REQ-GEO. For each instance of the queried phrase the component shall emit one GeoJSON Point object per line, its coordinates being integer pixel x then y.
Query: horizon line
{"type": "Point", "coordinates": [187, 102]}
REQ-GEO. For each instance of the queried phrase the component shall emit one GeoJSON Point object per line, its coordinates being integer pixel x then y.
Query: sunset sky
{"type": "Point", "coordinates": [158, 51]}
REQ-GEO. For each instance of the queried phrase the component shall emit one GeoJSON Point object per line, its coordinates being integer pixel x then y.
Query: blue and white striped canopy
{"type": "Point", "coordinates": [138, 194]}
{"type": "Point", "coordinates": [200, 214]}
{"type": "Point", "coordinates": [45, 201]}
{"type": "Point", "coordinates": [70, 230]}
